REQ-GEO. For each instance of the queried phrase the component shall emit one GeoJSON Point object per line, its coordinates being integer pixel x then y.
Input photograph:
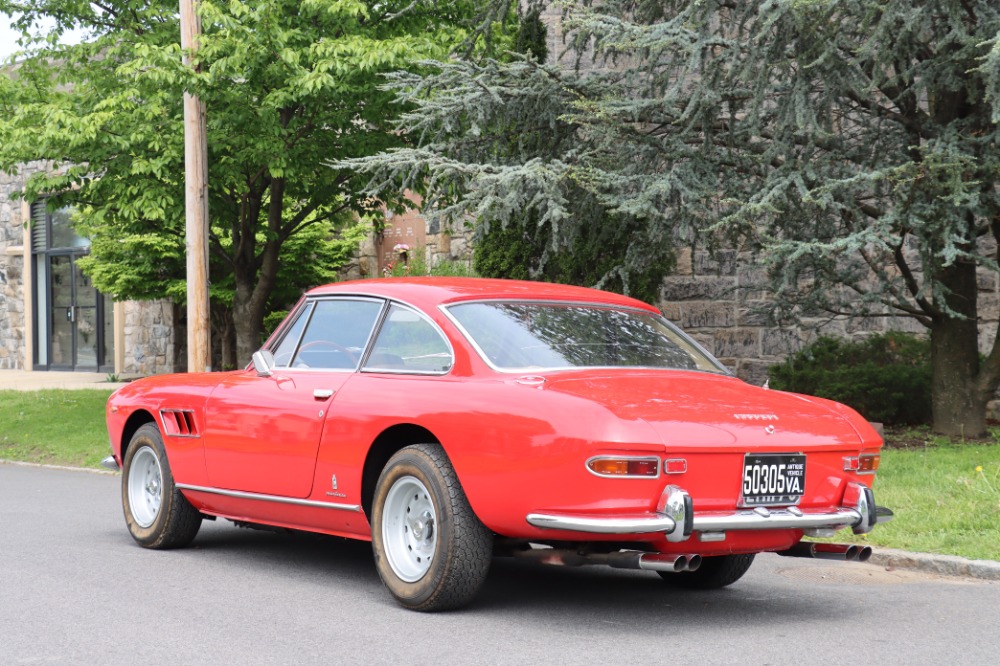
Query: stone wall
{"type": "Point", "coordinates": [149, 337]}
{"type": "Point", "coordinates": [12, 315]}
{"type": "Point", "coordinates": [718, 298]}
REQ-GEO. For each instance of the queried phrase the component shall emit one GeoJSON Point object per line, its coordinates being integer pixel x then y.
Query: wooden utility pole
{"type": "Point", "coordinates": [196, 205]}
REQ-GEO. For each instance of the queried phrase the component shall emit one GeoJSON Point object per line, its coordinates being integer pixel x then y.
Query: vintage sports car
{"type": "Point", "coordinates": [452, 420]}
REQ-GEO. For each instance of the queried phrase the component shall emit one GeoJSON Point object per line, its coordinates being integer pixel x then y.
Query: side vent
{"type": "Point", "coordinates": [179, 423]}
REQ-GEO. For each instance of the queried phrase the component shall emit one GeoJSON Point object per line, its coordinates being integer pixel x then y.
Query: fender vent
{"type": "Point", "coordinates": [179, 423]}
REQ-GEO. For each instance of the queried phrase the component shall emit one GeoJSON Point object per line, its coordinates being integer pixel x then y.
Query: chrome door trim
{"type": "Point", "coordinates": [239, 494]}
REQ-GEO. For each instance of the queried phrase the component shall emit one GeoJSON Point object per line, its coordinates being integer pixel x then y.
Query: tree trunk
{"type": "Point", "coordinates": [248, 322]}
{"type": "Point", "coordinates": [959, 407]}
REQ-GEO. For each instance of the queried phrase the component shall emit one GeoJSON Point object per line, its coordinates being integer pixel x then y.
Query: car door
{"type": "Point", "coordinates": [264, 431]}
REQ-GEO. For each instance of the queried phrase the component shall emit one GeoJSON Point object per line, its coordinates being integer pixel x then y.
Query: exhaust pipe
{"type": "Point", "coordinates": [829, 551]}
{"type": "Point", "coordinates": [671, 563]}
{"type": "Point", "coordinates": [623, 559]}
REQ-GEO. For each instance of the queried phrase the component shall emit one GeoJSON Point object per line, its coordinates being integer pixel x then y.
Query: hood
{"type": "Point", "coordinates": [693, 409]}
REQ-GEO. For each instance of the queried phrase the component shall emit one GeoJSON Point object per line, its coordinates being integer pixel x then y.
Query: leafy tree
{"type": "Point", "coordinates": [499, 144]}
{"type": "Point", "coordinates": [851, 143]}
{"type": "Point", "coordinates": [287, 86]}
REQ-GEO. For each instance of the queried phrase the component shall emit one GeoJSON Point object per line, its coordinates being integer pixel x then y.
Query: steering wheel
{"type": "Point", "coordinates": [318, 345]}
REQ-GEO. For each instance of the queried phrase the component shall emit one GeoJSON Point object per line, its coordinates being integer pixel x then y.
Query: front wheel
{"type": "Point", "coordinates": [156, 513]}
{"type": "Point", "coordinates": [714, 572]}
{"type": "Point", "coordinates": [431, 550]}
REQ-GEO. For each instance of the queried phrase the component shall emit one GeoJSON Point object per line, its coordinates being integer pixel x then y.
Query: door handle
{"type": "Point", "coordinates": [323, 394]}
{"type": "Point", "coordinates": [70, 314]}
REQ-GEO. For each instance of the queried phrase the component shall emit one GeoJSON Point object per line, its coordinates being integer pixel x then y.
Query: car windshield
{"type": "Point", "coordinates": [534, 335]}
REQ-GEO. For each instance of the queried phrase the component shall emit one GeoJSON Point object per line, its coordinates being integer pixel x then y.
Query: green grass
{"type": "Point", "coordinates": [55, 427]}
{"type": "Point", "coordinates": [946, 499]}
{"type": "Point", "coordinates": [946, 496]}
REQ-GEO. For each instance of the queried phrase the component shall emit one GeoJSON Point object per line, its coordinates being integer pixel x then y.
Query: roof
{"type": "Point", "coordinates": [430, 291]}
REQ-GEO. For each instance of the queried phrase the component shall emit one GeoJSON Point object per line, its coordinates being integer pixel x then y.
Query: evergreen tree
{"type": "Point", "coordinates": [851, 143]}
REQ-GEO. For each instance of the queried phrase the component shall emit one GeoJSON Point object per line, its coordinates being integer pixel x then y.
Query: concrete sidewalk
{"type": "Point", "coordinates": [21, 380]}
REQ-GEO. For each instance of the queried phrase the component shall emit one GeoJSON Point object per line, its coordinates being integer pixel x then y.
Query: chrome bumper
{"type": "Point", "coordinates": [110, 463]}
{"type": "Point", "coordinates": [676, 518]}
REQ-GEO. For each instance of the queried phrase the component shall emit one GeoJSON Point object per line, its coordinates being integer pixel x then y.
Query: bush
{"type": "Point", "coordinates": [887, 378]}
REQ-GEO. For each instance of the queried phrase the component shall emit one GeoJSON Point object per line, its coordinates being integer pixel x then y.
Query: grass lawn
{"type": "Point", "coordinates": [946, 496]}
{"type": "Point", "coordinates": [56, 427]}
{"type": "Point", "coordinates": [946, 499]}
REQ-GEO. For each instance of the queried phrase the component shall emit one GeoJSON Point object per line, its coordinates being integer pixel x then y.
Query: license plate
{"type": "Point", "coordinates": [773, 479]}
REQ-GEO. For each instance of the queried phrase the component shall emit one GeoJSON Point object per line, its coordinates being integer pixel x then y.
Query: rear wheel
{"type": "Point", "coordinates": [714, 573]}
{"type": "Point", "coordinates": [431, 550]}
{"type": "Point", "coordinates": [156, 513]}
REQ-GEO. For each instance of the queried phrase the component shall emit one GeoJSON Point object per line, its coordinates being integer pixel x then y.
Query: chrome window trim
{"type": "Point", "coordinates": [378, 330]}
{"type": "Point", "coordinates": [239, 494]}
{"type": "Point", "coordinates": [446, 307]}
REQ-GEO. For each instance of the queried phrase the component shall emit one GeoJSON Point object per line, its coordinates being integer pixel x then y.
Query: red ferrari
{"type": "Point", "coordinates": [453, 420]}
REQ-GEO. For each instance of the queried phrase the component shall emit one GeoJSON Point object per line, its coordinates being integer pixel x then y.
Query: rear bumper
{"type": "Point", "coordinates": [676, 518]}
{"type": "Point", "coordinates": [110, 463]}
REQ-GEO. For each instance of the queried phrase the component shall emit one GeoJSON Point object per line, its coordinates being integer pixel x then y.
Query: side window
{"type": "Point", "coordinates": [286, 348]}
{"type": "Point", "coordinates": [336, 334]}
{"type": "Point", "coordinates": [409, 342]}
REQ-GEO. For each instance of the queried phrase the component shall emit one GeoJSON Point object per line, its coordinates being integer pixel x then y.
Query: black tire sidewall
{"type": "Point", "coordinates": [148, 436]}
{"type": "Point", "coordinates": [412, 462]}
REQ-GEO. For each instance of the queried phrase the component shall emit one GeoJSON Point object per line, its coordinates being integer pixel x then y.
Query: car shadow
{"type": "Point", "coordinates": [539, 592]}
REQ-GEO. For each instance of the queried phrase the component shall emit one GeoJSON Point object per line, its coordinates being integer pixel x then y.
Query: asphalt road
{"type": "Point", "coordinates": [75, 589]}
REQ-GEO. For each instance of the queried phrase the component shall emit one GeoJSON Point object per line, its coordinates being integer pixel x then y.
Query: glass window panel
{"type": "Point", "coordinates": [86, 337]}
{"type": "Point", "coordinates": [409, 342]}
{"type": "Point", "coordinates": [544, 335]}
{"type": "Point", "coordinates": [286, 348]}
{"type": "Point", "coordinates": [337, 334]}
{"type": "Point", "coordinates": [63, 234]}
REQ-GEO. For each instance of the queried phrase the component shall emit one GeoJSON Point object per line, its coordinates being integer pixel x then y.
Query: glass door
{"type": "Point", "coordinates": [73, 314]}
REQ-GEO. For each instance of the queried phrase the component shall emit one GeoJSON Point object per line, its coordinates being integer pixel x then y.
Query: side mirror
{"type": "Point", "coordinates": [263, 363]}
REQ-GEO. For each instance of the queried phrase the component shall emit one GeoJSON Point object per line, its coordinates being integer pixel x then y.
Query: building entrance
{"type": "Point", "coordinates": [73, 321]}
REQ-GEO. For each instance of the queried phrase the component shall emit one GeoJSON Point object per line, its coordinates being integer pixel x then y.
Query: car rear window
{"type": "Point", "coordinates": [532, 335]}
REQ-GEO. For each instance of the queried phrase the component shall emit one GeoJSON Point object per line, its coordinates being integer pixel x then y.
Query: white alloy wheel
{"type": "Point", "coordinates": [409, 529]}
{"type": "Point", "coordinates": [145, 486]}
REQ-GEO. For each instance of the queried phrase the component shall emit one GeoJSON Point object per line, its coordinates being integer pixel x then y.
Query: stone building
{"type": "Point", "coordinates": [52, 317]}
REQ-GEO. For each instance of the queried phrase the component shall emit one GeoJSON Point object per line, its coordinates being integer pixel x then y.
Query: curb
{"type": "Point", "coordinates": [945, 565]}
{"type": "Point", "coordinates": [65, 468]}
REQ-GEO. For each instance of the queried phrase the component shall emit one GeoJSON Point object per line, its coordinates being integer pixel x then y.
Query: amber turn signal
{"type": "Point", "coordinates": [866, 463]}
{"type": "Point", "coordinates": [641, 467]}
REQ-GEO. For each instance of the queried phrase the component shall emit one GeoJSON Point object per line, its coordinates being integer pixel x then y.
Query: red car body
{"type": "Point", "coordinates": [684, 458]}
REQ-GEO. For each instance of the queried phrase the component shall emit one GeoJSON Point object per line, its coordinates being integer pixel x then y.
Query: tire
{"type": "Point", "coordinates": [713, 574]}
{"type": "Point", "coordinates": [430, 549]}
{"type": "Point", "coordinates": [157, 514]}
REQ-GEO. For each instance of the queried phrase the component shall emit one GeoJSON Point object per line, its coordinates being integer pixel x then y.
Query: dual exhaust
{"type": "Point", "coordinates": [623, 559]}
{"type": "Point", "coordinates": [829, 551]}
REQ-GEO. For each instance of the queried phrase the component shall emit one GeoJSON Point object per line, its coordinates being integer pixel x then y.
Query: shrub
{"type": "Point", "coordinates": [887, 377]}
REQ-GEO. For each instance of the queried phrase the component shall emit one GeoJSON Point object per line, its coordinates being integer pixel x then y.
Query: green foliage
{"type": "Point", "coordinates": [593, 256]}
{"type": "Point", "coordinates": [849, 145]}
{"type": "Point", "coordinates": [417, 265]}
{"type": "Point", "coordinates": [886, 377]}
{"type": "Point", "coordinates": [497, 143]}
{"type": "Point", "coordinates": [287, 85]}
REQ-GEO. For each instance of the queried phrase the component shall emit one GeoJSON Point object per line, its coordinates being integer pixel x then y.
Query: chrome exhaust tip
{"type": "Point", "coordinates": [670, 563]}
{"type": "Point", "coordinates": [841, 552]}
